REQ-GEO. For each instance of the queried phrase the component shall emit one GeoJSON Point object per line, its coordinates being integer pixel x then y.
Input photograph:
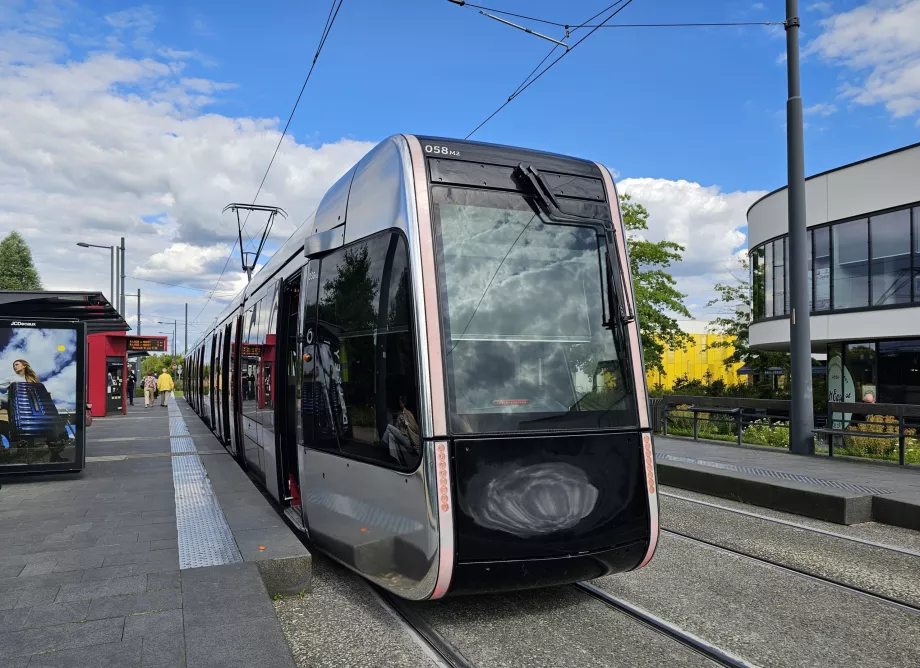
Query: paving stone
{"type": "Point", "coordinates": [164, 544]}
{"type": "Point", "coordinates": [224, 595]}
{"type": "Point", "coordinates": [9, 599]}
{"type": "Point", "coordinates": [154, 623]}
{"type": "Point", "coordinates": [166, 559]}
{"type": "Point", "coordinates": [58, 613]}
{"type": "Point", "coordinates": [125, 654]}
{"type": "Point", "coordinates": [101, 588]}
{"type": "Point", "coordinates": [255, 643]}
{"type": "Point", "coordinates": [28, 641]}
{"type": "Point", "coordinates": [42, 568]}
{"type": "Point", "coordinates": [109, 572]}
{"type": "Point", "coordinates": [11, 571]}
{"type": "Point", "coordinates": [164, 651]}
{"type": "Point", "coordinates": [44, 595]}
{"type": "Point", "coordinates": [120, 606]}
{"type": "Point", "coordinates": [79, 563]}
{"type": "Point", "coordinates": [14, 619]}
{"type": "Point", "coordinates": [84, 634]}
{"type": "Point", "coordinates": [163, 580]}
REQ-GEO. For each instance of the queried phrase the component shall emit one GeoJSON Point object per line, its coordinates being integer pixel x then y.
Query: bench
{"type": "Point", "coordinates": [846, 432]}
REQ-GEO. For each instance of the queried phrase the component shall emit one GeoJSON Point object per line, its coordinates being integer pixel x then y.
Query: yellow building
{"type": "Point", "coordinates": [699, 358]}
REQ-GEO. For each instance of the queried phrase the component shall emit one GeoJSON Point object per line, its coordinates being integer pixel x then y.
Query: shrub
{"type": "Point", "coordinates": [761, 432]}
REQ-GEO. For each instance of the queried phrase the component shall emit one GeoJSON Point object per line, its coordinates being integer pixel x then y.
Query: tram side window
{"type": "Point", "coordinates": [365, 356]}
{"type": "Point", "coordinates": [268, 352]}
{"type": "Point", "coordinates": [249, 361]}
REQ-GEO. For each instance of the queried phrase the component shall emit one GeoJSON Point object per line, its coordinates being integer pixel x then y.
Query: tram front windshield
{"type": "Point", "coordinates": [528, 341]}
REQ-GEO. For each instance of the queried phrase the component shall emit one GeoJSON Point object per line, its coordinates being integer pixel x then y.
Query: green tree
{"type": "Point", "coordinates": [734, 321]}
{"type": "Point", "coordinates": [16, 269]}
{"type": "Point", "coordinates": [657, 298]}
{"type": "Point", "coordinates": [156, 363]}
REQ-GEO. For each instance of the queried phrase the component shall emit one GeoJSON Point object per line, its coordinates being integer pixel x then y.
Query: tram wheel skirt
{"type": "Point", "coordinates": [481, 577]}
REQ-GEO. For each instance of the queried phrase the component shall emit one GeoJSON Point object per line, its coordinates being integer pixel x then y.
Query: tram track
{"type": "Point", "coordinates": [435, 645]}
{"type": "Point", "coordinates": [692, 642]}
{"type": "Point", "coordinates": [793, 525]}
{"type": "Point", "coordinates": [879, 598]}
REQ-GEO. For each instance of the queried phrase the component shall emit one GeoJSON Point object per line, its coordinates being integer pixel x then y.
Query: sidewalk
{"type": "Point", "coordinates": [132, 563]}
{"type": "Point", "coordinates": [835, 490]}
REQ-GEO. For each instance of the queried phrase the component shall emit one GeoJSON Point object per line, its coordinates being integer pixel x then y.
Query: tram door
{"type": "Point", "coordinates": [288, 353]}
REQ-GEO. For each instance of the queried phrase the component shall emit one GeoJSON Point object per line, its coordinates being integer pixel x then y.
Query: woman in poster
{"type": "Point", "coordinates": [25, 372]}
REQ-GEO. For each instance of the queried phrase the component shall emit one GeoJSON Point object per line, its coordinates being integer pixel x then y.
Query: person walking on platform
{"type": "Point", "coordinates": [150, 384]}
{"type": "Point", "coordinates": [132, 384]}
{"type": "Point", "coordinates": [165, 386]}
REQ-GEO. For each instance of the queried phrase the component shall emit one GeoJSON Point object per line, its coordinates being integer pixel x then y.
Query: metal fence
{"type": "Point", "coordinates": [874, 431]}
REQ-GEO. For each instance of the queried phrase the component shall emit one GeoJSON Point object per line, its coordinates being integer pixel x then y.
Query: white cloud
{"type": "Point", "coordinates": [820, 109]}
{"type": "Point", "coordinates": [709, 223]}
{"type": "Point", "coordinates": [115, 144]}
{"type": "Point", "coordinates": [820, 7]}
{"type": "Point", "coordinates": [878, 42]}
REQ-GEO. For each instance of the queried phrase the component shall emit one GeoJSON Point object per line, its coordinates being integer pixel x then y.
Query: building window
{"type": "Point", "coordinates": [768, 281]}
{"type": "Point", "coordinates": [899, 372]}
{"type": "Point", "coordinates": [670, 356]}
{"type": "Point", "coordinates": [779, 277]}
{"type": "Point", "coordinates": [757, 282]}
{"type": "Point", "coordinates": [851, 264]}
{"type": "Point", "coordinates": [822, 267]}
{"type": "Point", "coordinates": [860, 362]}
{"type": "Point", "coordinates": [810, 265]}
{"type": "Point", "coordinates": [890, 258]}
{"type": "Point", "coordinates": [916, 267]}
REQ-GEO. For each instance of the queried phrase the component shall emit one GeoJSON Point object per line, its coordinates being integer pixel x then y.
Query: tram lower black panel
{"type": "Point", "coordinates": [497, 576]}
{"type": "Point", "coordinates": [534, 497]}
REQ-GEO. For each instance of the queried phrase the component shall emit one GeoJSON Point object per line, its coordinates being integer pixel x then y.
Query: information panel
{"type": "Point", "coordinates": [146, 344]}
{"type": "Point", "coordinates": [42, 402]}
{"type": "Point", "coordinates": [250, 350]}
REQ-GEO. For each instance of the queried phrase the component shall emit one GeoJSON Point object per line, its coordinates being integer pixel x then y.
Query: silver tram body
{"type": "Point", "coordinates": [523, 476]}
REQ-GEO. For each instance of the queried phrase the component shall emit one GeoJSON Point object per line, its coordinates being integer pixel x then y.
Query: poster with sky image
{"type": "Point", "coordinates": [42, 395]}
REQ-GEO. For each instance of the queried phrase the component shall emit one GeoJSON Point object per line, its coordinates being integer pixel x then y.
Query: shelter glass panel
{"type": "Point", "coordinates": [899, 372]}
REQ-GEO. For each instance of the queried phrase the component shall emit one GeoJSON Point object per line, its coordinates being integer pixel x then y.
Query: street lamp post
{"type": "Point", "coordinates": [801, 415]}
{"type": "Point", "coordinates": [112, 297]}
{"type": "Point", "coordinates": [175, 324]}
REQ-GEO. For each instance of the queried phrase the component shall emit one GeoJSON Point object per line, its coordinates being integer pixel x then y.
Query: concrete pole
{"type": "Point", "coordinates": [123, 309]}
{"type": "Point", "coordinates": [138, 311]}
{"type": "Point", "coordinates": [802, 419]}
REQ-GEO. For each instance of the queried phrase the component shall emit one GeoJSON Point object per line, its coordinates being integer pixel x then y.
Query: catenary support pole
{"type": "Point", "coordinates": [802, 419]}
{"type": "Point", "coordinates": [185, 347]}
{"type": "Point", "coordinates": [123, 309]}
{"type": "Point", "coordinates": [138, 311]}
{"type": "Point", "coordinates": [112, 272]}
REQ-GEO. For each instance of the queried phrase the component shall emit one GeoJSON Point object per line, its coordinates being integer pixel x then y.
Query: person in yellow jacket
{"type": "Point", "coordinates": [165, 386]}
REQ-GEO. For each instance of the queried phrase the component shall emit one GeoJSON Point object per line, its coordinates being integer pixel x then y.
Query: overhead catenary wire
{"type": "Point", "coordinates": [533, 79]}
{"type": "Point", "coordinates": [535, 19]}
{"type": "Point", "coordinates": [178, 285]}
{"type": "Point", "coordinates": [330, 21]}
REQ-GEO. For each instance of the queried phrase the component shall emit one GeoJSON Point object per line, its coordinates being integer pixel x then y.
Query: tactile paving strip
{"type": "Point", "coordinates": [205, 538]}
{"type": "Point", "coordinates": [782, 475]}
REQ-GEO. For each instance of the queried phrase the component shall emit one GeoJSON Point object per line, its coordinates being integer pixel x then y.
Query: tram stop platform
{"type": "Point", "coordinates": [841, 490]}
{"type": "Point", "coordinates": [161, 553]}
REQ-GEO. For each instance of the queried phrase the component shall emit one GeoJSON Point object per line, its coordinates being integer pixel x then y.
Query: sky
{"type": "Point", "coordinates": [145, 120]}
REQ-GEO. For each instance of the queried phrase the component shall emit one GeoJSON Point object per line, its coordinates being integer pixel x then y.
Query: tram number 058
{"type": "Point", "coordinates": [440, 150]}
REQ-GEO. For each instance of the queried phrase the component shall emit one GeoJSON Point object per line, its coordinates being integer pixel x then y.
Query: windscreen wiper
{"type": "Point", "coordinates": [541, 191]}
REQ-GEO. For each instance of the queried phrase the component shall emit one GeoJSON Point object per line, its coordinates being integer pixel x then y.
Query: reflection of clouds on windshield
{"type": "Point", "coordinates": [546, 288]}
{"type": "Point", "coordinates": [56, 369]}
{"type": "Point", "coordinates": [531, 501]}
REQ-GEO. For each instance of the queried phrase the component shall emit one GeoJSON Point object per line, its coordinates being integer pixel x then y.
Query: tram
{"type": "Point", "coordinates": [439, 377]}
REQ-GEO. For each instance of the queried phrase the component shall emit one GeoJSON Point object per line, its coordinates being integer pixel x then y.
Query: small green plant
{"type": "Point", "coordinates": [762, 432]}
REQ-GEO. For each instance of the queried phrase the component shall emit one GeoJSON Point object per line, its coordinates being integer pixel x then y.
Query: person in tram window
{"type": "Point", "coordinates": [132, 384]}
{"type": "Point", "coordinates": [150, 385]}
{"type": "Point", "coordinates": [403, 435]}
{"type": "Point", "coordinates": [165, 386]}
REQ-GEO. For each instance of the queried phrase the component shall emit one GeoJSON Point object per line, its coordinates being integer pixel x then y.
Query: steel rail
{"type": "Point", "coordinates": [674, 632]}
{"type": "Point", "coordinates": [879, 598]}
{"type": "Point", "coordinates": [795, 525]}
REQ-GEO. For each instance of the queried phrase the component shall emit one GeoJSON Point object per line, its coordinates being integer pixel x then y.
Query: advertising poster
{"type": "Point", "coordinates": [41, 395]}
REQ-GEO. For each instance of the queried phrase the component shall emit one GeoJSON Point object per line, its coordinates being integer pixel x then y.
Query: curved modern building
{"type": "Point", "coordinates": [864, 273]}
